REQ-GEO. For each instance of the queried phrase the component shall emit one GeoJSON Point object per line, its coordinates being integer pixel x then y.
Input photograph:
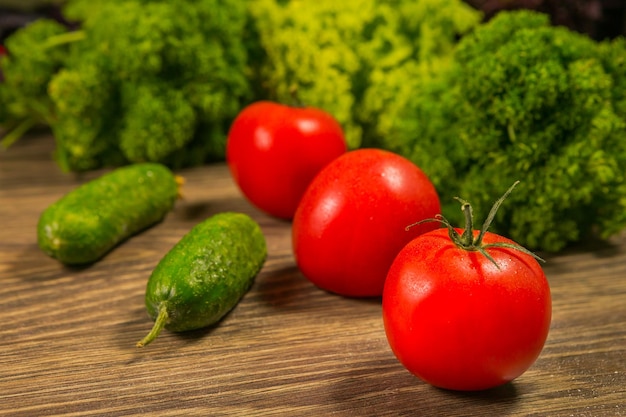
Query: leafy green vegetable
{"type": "Point", "coordinates": [139, 82]}
{"type": "Point", "coordinates": [521, 100]}
{"type": "Point", "coordinates": [476, 105]}
{"type": "Point", "coordinates": [23, 91]}
{"type": "Point", "coordinates": [332, 51]}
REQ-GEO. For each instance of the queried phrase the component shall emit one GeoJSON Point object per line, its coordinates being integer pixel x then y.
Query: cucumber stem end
{"type": "Point", "coordinates": [159, 323]}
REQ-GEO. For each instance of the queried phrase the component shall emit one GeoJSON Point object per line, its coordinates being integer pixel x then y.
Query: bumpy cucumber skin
{"type": "Point", "coordinates": [207, 272]}
{"type": "Point", "coordinates": [89, 221]}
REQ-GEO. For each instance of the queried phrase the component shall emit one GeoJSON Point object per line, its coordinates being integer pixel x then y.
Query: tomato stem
{"type": "Point", "coordinates": [492, 214]}
{"type": "Point", "coordinates": [159, 324]}
{"type": "Point", "coordinates": [466, 241]}
{"type": "Point", "coordinates": [467, 238]}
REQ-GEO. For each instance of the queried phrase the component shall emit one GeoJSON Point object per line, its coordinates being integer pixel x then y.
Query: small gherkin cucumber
{"type": "Point", "coordinates": [89, 221]}
{"type": "Point", "coordinates": [205, 274]}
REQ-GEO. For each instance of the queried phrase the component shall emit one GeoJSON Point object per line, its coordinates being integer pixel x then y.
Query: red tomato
{"type": "Point", "coordinates": [274, 151]}
{"type": "Point", "coordinates": [456, 320]}
{"type": "Point", "coordinates": [351, 221]}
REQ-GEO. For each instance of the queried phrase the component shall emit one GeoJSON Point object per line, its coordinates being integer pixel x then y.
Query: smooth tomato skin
{"type": "Point", "coordinates": [457, 322]}
{"type": "Point", "coordinates": [351, 221]}
{"type": "Point", "coordinates": [274, 151]}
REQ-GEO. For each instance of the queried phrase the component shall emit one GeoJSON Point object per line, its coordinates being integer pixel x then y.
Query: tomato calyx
{"type": "Point", "coordinates": [466, 241]}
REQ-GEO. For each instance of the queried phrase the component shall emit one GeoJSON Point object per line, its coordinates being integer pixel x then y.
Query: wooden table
{"type": "Point", "coordinates": [67, 338]}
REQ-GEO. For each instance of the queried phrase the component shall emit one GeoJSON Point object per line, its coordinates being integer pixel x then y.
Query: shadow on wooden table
{"type": "Point", "coordinates": [408, 395]}
{"type": "Point", "coordinates": [506, 393]}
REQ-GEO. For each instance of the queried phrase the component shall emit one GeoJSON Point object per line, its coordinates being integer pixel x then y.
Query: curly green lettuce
{"type": "Point", "coordinates": [331, 51]}
{"type": "Point", "coordinates": [521, 100]}
{"type": "Point", "coordinates": [34, 55]}
{"type": "Point", "coordinates": [140, 80]}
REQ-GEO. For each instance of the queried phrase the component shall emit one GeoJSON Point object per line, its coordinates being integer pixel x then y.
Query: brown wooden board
{"type": "Point", "coordinates": [67, 335]}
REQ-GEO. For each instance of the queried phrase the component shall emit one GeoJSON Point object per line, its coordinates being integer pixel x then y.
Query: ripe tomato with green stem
{"type": "Point", "coordinates": [274, 151]}
{"type": "Point", "coordinates": [466, 309]}
{"type": "Point", "coordinates": [350, 223]}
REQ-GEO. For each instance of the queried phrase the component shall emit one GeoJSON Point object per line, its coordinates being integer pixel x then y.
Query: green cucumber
{"type": "Point", "coordinates": [89, 221]}
{"type": "Point", "coordinates": [205, 274]}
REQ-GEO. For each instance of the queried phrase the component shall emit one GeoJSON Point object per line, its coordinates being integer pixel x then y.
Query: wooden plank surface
{"type": "Point", "coordinates": [67, 334]}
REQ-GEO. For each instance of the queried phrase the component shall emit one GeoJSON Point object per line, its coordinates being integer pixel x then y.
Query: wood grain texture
{"type": "Point", "coordinates": [68, 334]}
